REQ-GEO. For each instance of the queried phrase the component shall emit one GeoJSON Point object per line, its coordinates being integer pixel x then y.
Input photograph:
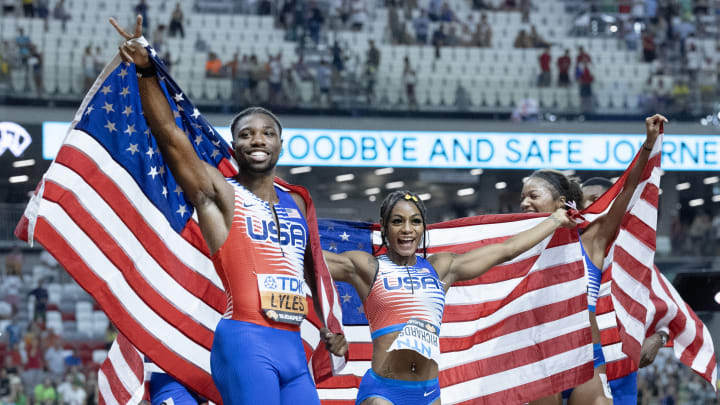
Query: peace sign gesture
{"type": "Point", "coordinates": [130, 50]}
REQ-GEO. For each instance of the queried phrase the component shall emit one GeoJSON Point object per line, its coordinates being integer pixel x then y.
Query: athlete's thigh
{"type": "Point", "coordinates": [300, 387]}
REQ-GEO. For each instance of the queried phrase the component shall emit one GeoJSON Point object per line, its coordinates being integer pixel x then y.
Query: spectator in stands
{"type": "Point", "coordinates": [481, 5]}
{"type": "Point", "coordinates": [35, 68]}
{"type": "Point", "coordinates": [446, 14]}
{"type": "Point", "coordinates": [8, 7]}
{"type": "Point", "coordinates": [213, 66]}
{"type": "Point", "coordinates": [582, 58]}
{"type": "Point", "coordinates": [41, 9]}
{"type": "Point", "coordinates": [522, 40]}
{"type": "Point", "coordinates": [88, 66]}
{"type": "Point", "coordinates": [525, 6]}
{"type": "Point", "coordinates": [323, 77]}
{"type": "Point", "coordinates": [158, 38]}
{"type": "Point", "coordinates": [33, 367]}
{"type": "Point", "coordinates": [545, 76]}
{"type": "Point", "coordinates": [422, 26]}
{"type": "Point", "coordinates": [275, 80]}
{"type": "Point", "coordinates": [648, 45]}
{"type": "Point", "coordinates": [64, 389]}
{"type": "Point", "coordinates": [77, 395]}
{"type": "Point", "coordinates": [438, 39]}
{"type": "Point", "coordinates": [509, 5]}
{"type": "Point", "coordinates": [373, 55]}
{"type": "Point", "coordinates": [483, 33]}
{"type": "Point", "coordinates": [14, 262]}
{"type": "Point", "coordinates": [462, 97]}
{"type": "Point", "coordinates": [176, 22]}
{"type": "Point", "coordinates": [59, 13]}
{"type": "Point", "coordinates": [41, 299]}
{"type": "Point", "coordinates": [537, 40]}
{"type": "Point", "coordinates": [4, 386]}
{"type": "Point", "coordinates": [358, 15]}
{"type": "Point", "coordinates": [45, 392]}
{"type": "Point", "coordinates": [264, 7]}
{"type": "Point", "coordinates": [256, 73]}
{"type": "Point", "coordinates": [315, 22]}
{"type": "Point", "coordinates": [142, 9]}
{"type": "Point", "coordinates": [98, 60]}
{"type": "Point", "coordinates": [28, 8]}
{"type": "Point", "coordinates": [200, 44]}
{"type": "Point", "coordinates": [91, 388]}
{"type": "Point", "coordinates": [585, 81]}
{"type": "Point", "coordinates": [563, 64]}
{"type": "Point", "coordinates": [17, 394]}
{"type": "Point", "coordinates": [394, 25]}
{"type": "Point", "coordinates": [410, 81]}
{"type": "Point", "coordinates": [72, 359]}
{"type": "Point", "coordinates": [370, 77]}
{"type": "Point", "coordinates": [55, 360]}
{"type": "Point", "coordinates": [111, 334]}
{"type": "Point", "coordinates": [10, 364]}
{"type": "Point", "coordinates": [22, 42]}
{"type": "Point", "coordinates": [434, 9]}
{"type": "Point", "coordinates": [4, 61]}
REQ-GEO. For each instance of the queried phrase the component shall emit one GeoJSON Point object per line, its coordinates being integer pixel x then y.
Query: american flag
{"type": "Point", "coordinates": [112, 214]}
{"type": "Point", "coordinates": [636, 300]}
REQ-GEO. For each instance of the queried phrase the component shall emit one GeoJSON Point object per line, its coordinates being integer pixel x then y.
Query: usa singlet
{"type": "Point", "coordinates": [409, 299]}
{"type": "Point", "coordinates": [257, 354]}
{"type": "Point", "coordinates": [261, 266]}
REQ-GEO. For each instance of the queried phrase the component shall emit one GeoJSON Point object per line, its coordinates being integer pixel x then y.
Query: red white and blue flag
{"type": "Point", "coordinates": [636, 300]}
{"type": "Point", "coordinates": [112, 214]}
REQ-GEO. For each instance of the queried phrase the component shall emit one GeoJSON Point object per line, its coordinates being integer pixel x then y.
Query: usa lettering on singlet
{"type": "Point", "coordinates": [268, 254]}
{"type": "Point", "coordinates": [409, 299]}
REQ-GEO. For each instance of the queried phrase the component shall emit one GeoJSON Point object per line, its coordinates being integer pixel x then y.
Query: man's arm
{"type": "Point", "coordinates": [202, 184]}
{"type": "Point", "coordinates": [651, 346]}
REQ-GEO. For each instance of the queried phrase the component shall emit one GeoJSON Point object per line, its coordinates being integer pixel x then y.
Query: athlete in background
{"type": "Point", "coordinates": [624, 389]}
{"type": "Point", "coordinates": [544, 191]}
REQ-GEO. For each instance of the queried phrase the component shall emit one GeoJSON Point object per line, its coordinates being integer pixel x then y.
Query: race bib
{"type": "Point", "coordinates": [420, 336]}
{"type": "Point", "coordinates": [282, 298]}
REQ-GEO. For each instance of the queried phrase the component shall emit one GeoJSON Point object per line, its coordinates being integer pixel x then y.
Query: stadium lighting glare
{"type": "Point", "coordinates": [569, 172]}
{"type": "Point", "coordinates": [613, 28]}
{"type": "Point", "coordinates": [476, 172]}
{"type": "Point", "coordinates": [500, 185]}
{"type": "Point", "coordinates": [659, 191]}
{"type": "Point", "coordinates": [425, 196]}
{"type": "Point", "coordinates": [18, 179]}
{"type": "Point", "coordinates": [465, 191]}
{"type": "Point", "coordinates": [614, 179]}
{"type": "Point", "coordinates": [711, 180]}
{"type": "Point", "coordinates": [344, 177]}
{"type": "Point", "coordinates": [372, 198]}
{"type": "Point", "coordinates": [372, 191]}
{"type": "Point", "coordinates": [682, 186]}
{"type": "Point", "coordinates": [300, 170]}
{"type": "Point", "coordinates": [394, 184]}
{"type": "Point", "coordinates": [716, 198]}
{"type": "Point", "coordinates": [24, 163]}
{"type": "Point", "coordinates": [696, 202]}
{"type": "Point", "coordinates": [383, 171]}
{"type": "Point", "coordinates": [338, 196]}
{"type": "Point", "coordinates": [717, 297]}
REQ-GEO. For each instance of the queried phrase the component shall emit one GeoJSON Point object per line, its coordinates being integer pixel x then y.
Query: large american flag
{"type": "Point", "coordinates": [112, 214]}
{"type": "Point", "coordinates": [636, 300]}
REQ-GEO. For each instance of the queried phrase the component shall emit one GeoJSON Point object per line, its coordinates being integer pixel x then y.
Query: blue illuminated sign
{"type": "Point", "coordinates": [491, 150]}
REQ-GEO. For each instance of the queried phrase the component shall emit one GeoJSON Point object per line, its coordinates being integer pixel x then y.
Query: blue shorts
{"type": "Point", "coordinates": [166, 390]}
{"type": "Point", "coordinates": [598, 360]}
{"type": "Point", "coordinates": [397, 392]}
{"type": "Point", "coordinates": [624, 390]}
{"type": "Point", "coordinates": [253, 364]}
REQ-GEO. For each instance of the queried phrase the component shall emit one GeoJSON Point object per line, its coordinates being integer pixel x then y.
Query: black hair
{"type": "Point", "coordinates": [251, 111]}
{"type": "Point", "coordinates": [561, 185]}
{"type": "Point", "coordinates": [386, 209]}
{"type": "Point", "coordinates": [598, 181]}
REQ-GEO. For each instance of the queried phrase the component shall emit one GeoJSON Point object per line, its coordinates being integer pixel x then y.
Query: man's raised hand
{"type": "Point", "coordinates": [132, 51]}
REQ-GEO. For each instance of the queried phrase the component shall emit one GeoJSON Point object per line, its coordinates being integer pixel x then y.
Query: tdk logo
{"type": "Point", "coordinates": [290, 233]}
{"type": "Point", "coordinates": [410, 283]}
